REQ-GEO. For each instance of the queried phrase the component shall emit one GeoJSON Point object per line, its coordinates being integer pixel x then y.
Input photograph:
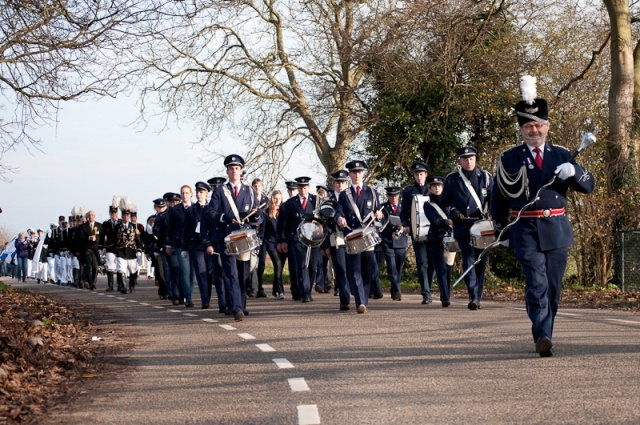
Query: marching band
{"type": "Point", "coordinates": [222, 240]}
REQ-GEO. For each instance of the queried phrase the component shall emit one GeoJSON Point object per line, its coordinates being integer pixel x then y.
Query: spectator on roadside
{"type": "Point", "coordinates": [22, 254]}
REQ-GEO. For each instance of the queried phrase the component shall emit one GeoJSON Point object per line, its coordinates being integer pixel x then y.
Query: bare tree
{"type": "Point", "coordinates": [53, 51]}
{"type": "Point", "coordinates": [292, 70]}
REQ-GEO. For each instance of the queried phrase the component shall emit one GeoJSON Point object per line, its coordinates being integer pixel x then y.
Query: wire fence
{"type": "Point", "coordinates": [630, 259]}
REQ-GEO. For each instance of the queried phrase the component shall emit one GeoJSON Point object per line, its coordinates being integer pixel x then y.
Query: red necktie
{"type": "Point", "coordinates": [358, 191]}
{"type": "Point", "coordinates": [304, 203]}
{"type": "Point", "coordinates": [395, 209]}
{"type": "Point", "coordinates": [236, 187]}
{"type": "Point", "coordinates": [538, 157]}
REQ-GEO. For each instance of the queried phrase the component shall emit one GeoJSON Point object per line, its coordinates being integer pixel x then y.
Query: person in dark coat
{"type": "Point", "coordinates": [440, 226]}
{"type": "Point", "coordinates": [394, 242]}
{"type": "Point", "coordinates": [543, 234]}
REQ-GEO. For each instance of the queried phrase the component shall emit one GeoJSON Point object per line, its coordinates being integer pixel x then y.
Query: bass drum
{"type": "Point", "coordinates": [419, 222]}
{"type": "Point", "coordinates": [312, 232]}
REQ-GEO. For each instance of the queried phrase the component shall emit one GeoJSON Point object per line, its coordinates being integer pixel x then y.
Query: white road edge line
{"type": "Point", "coordinates": [623, 321]}
{"type": "Point", "coordinates": [308, 414]}
{"type": "Point", "coordinates": [283, 363]}
{"type": "Point", "coordinates": [266, 348]}
{"type": "Point", "coordinates": [298, 384]}
{"type": "Point", "coordinates": [246, 336]}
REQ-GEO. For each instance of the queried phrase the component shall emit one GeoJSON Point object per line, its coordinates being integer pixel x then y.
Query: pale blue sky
{"type": "Point", "coordinates": [93, 155]}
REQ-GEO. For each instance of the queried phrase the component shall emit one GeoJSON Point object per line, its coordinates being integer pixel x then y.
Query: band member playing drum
{"type": "Point", "coordinates": [440, 226]}
{"type": "Point", "coordinates": [357, 206]}
{"type": "Point", "coordinates": [423, 259]}
{"type": "Point", "coordinates": [336, 247]}
{"type": "Point", "coordinates": [394, 243]}
{"type": "Point", "coordinates": [295, 210]}
{"type": "Point", "coordinates": [542, 235]}
{"type": "Point", "coordinates": [466, 199]}
{"type": "Point", "coordinates": [232, 205]}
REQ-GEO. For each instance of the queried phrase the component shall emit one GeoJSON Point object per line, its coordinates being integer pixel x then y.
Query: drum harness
{"type": "Point", "coordinates": [356, 211]}
{"type": "Point", "coordinates": [234, 208]}
{"type": "Point", "coordinates": [471, 190]}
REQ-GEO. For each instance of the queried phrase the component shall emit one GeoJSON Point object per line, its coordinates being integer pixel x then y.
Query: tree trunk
{"type": "Point", "coordinates": [620, 96]}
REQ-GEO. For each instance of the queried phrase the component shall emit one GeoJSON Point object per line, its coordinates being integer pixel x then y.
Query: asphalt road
{"type": "Point", "coordinates": [400, 362]}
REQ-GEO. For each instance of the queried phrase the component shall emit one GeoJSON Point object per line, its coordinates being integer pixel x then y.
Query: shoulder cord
{"type": "Point", "coordinates": [505, 179]}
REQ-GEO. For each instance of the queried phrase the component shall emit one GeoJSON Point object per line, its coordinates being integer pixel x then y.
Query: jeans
{"type": "Point", "coordinates": [22, 268]}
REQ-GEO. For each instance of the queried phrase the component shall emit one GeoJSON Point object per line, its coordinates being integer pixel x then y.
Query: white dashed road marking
{"type": "Point", "coordinates": [99, 293]}
{"type": "Point", "coordinates": [283, 363]}
{"type": "Point", "coordinates": [121, 298]}
{"type": "Point", "coordinates": [144, 304]}
{"type": "Point", "coordinates": [246, 336]}
{"type": "Point", "coordinates": [158, 306]}
{"type": "Point", "coordinates": [132, 301]}
{"type": "Point", "coordinates": [228, 327]}
{"type": "Point", "coordinates": [298, 384]}
{"type": "Point", "coordinates": [111, 296]}
{"type": "Point", "coordinates": [209, 320]}
{"type": "Point", "coordinates": [308, 414]}
{"type": "Point", "coordinates": [190, 314]}
{"type": "Point", "coordinates": [173, 311]}
{"type": "Point", "coordinates": [265, 347]}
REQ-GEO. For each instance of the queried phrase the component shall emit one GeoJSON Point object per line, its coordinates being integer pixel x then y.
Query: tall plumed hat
{"type": "Point", "coordinates": [531, 107]}
{"type": "Point", "coordinates": [126, 206]}
{"type": "Point", "coordinates": [115, 204]}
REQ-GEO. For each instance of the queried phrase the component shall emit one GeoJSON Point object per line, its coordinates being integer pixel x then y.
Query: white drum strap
{"type": "Point", "coordinates": [438, 210]}
{"type": "Point", "coordinates": [232, 203]}
{"type": "Point", "coordinates": [472, 191]}
{"type": "Point", "coordinates": [353, 205]}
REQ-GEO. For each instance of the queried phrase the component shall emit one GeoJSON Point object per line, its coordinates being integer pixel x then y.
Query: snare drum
{"type": "Point", "coordinates": [312, 232]}
{"type": "Point", "coordinates": [241, 242]}
{"type": "Point", "coordinates": [482, 234]}
{"type": "Point", "coordinates": [419, 222]}
{"type": "Point", "coordinates": [361, 240]}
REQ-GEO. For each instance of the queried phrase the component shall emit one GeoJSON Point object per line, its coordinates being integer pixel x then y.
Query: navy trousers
{"type": "Point", "coordinates": [361, 267]}
{"type": "Point", "coordinates": [394, 257]}
{"type": "Point", "coordinates": [475, 278]}
{"type": "Point", "coordinates": [339, 261]}
{"type": "Point", "coordinates": [543, 273]}
{"type": "Point", "coordinates": [442, 273]}
{"type": "Point", "coordinates": [303, 280]}
{"type": "Point", "coordinates": [235, 278]}
{"type": "Point", "coordinates": [199, 265]}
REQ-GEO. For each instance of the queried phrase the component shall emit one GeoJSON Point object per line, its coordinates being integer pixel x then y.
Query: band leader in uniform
{"type": "Point", "coordinates": [542, 236]}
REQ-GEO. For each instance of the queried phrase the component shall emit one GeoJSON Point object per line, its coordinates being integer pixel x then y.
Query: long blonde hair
{"type": "Point", "coordinates": [272, 205]}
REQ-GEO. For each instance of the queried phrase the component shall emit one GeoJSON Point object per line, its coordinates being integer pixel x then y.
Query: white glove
{"type": "Point", "coordinates": [183, 254]}
{"type": "Point", "coordinates": [566, 170]}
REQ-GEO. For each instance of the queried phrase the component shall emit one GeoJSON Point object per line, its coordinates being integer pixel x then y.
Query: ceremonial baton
{"type": "Point", "coordinates": [587, 140]}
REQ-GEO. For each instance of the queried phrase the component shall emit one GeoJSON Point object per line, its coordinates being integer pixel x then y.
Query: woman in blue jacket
{"type": "Point", "coordinates": [22, 254]}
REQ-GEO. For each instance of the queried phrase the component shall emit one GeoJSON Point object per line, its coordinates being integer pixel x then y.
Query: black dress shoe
{"type": "Point", "coordinates": [246, 312]}
{"type": "Point", "coordinates": [378, 296]}
{"type": "Point", "coordinates": [306, 299]}
{"type": "Point", "coordinates": [205, 306]}
{"type": "Point", "coordinates": [251, 294]}
{"type": "Point", "coordinates": [261, 294]}
{"type": "Point", "coordinates": [344, 307]}
{"type": "Point", "coordinates": [446, 303]}
{"type": "Point", "coordinates": [227, 311]}
{"type": "Point", "coordinates": [543, 346]}
{"type": "Point", "coordinates": [222, 310]}
{"type": "Point", "coordinates": [175, 302]}
{"type": "Point", "coordinates": [239, 317]}
{"type": "Point", "coordinates": [397, 297]}
{"type": "Point", "coordinates": [296, 298]}
{"type": "Point", "coordinates": [189, 304]}
{"type": "Point", "coordinates": [473, 305]}
{"type": "Point", "coordinates": [426, 299]}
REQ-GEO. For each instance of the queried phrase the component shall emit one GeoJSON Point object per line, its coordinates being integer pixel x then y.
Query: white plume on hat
{"type": "Point", "coordinates": [115, 203]}
{"type": "Point", "coordinates": [74, 211]}
{"type": "Point", "coordinates": [528, 88]}
{"type": "Point", "coordinates": [82, 211]}
{"type": "Point", "coordinates": [126, 204]}
{"type": "Point", "coordinates": [134, 209]}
